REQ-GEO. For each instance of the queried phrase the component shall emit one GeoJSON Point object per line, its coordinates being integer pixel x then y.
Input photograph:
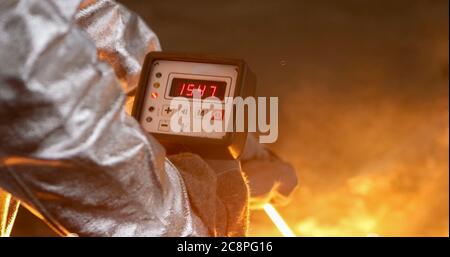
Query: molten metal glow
{"type": "Point", "coordinates": [278, 220]}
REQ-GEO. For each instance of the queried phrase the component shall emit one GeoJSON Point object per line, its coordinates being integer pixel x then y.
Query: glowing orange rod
{"type": "Point", "coordinates": [278, 220]}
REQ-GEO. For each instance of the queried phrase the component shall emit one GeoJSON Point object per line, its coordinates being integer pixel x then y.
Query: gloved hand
{"type": "Point", "coordinates": [270, 179]}
{"type": "Point", "coordinates": [217, 191]}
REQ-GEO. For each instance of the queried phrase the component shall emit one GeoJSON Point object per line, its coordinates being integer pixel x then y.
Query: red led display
{"type": "Point", "coordinates": [206, 88]}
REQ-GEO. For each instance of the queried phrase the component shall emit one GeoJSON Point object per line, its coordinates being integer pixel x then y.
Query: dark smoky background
{"type": "Point", "coordinates": [363, 95]}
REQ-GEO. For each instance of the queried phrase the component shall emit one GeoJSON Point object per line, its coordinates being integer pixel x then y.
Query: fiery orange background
{"type": "Point", "coordinates": [363, 89]}
{"type": "Point", "coordinates": [364, 115]}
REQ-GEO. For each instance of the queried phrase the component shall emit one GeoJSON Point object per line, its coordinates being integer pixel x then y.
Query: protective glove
{"type": "Point", "coordinates": [217, 192]}
{"type": "Point", "coordinates": [270, 179]}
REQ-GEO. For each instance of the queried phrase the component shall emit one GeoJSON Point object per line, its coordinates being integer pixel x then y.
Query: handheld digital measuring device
{"type": "Point", "coordinates": [166, 77]}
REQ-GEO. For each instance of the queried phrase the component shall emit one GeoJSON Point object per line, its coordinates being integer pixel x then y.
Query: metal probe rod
{"type": "Point", "coordinates": [278, 220]}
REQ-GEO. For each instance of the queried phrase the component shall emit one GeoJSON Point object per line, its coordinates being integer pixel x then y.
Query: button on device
{"type": "Point", "coordinates": [184, 111]}
{"type": "Point", "coordinates": [201, 112]}
{"type": "Point", "coordinates": [167, 111]}
{"type": "Point", "coordinates": [164, 125]}
{"type": "Point", "coordinates": [217, 114]}
{"type": "Point", "coordinates": [151, 108]}
{"type": "Point", "coordinates": [148, 119]}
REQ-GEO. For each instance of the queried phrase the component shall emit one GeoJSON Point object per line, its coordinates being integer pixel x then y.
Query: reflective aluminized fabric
{"type": "Point", "coordinates": [68, 151]}
{"type": "Point", "coordinates": [8, 211]}
{"type": "Point", "coordinates": [121, 37]}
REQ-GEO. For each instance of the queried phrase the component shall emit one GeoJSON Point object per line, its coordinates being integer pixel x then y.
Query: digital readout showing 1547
{"type": "Point", "coordinates": [207, 88]}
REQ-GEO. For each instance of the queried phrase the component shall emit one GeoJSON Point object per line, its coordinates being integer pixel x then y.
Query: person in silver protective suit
{"type": "Point", "coordinates": [72, 156]}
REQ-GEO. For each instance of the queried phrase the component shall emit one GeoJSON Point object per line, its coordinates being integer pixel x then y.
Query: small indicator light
{"type": "Point", "coordinates": [154, 95]}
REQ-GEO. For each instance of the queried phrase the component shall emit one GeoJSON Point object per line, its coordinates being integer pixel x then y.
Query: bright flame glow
{"type": "Point", "coordinates": [278, 220]}
{"type": "Point", "coordinates": [8, 212]}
